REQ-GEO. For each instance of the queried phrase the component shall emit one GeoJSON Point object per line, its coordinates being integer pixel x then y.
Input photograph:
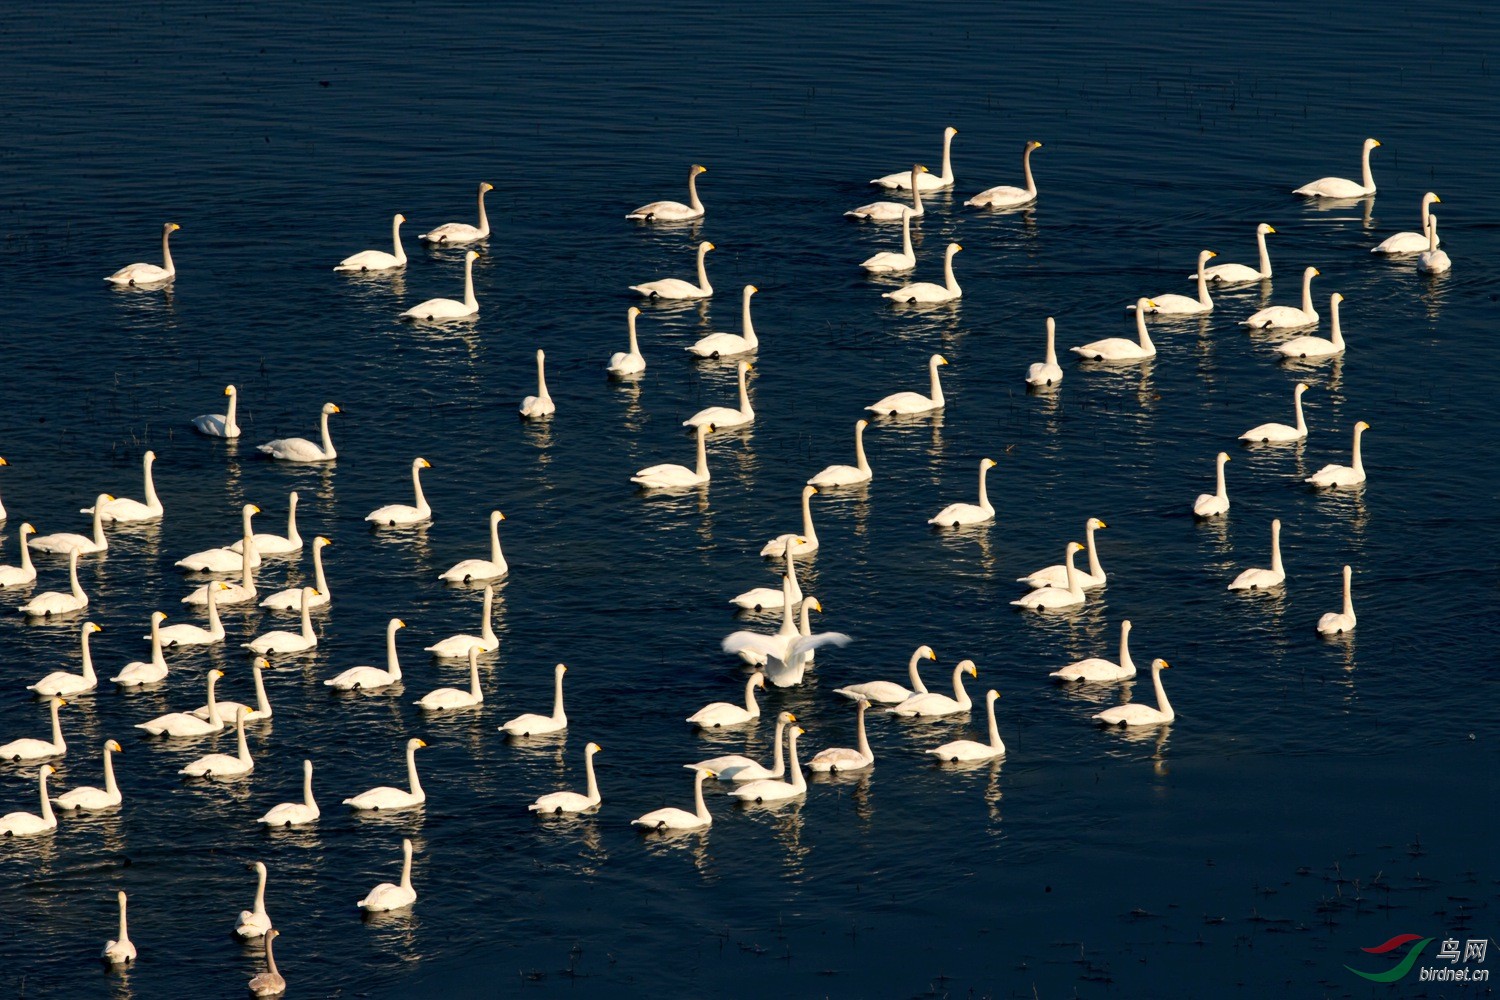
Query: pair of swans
{"type": "Point", "coordinates": [286, 814]}
{"type": "Point", "coordinates": [34, 749]}
{"type": "Point", "coordinates": [776, 789]}
{"type": "Point", "coordinates": [1332, 476]}
{"type": "Point", "coordinates": [303, 450]}
{"type": "Point", "coordinates": [446, 699]}
{"type": "Point", "coordinates": [90, 799]}
{"type": "Point", "coordinates": [1136, 714]}
{"type": "Point", "coordinates": [541, 405]}
{"type": "Point", "coordinates": [1097, 669]}
{"type": "Point", "coordinates": [1258, 578]}
{"type": "Point", "coordinates": [1057, 574]}
{"type": "Point", "coordinates": [1172, 304]}
{"type": "Point", "coordinates": [224, 559]}
{"type": "Point", "coordinates": [458, 233]}
{"type": "Point", "coordinates": [365, 678]}
{"type": "Point", "coordinates": [1224, 275]}
{"type": "Point", "coordinates": [458, 646]}
{"type": "Point", "coordinates": [1409, 242]}
{"type": "Point", "coordinates": [25, 573]}
{"type": "Point", "coordinates": [1005, 195]}
{"type": "Point", "coordinates": [1047, 372]}
{"type": "Point", "coordinates": [1283, 317]}
{"type": "Point", "coordinates": [677, 288]}
{"type": "Point", "coordinates": [1118, 350]}
{"type": "Point", "coordinates": [723, 417]}
{"type": "Point", "coordinates": [718, 714]}
{"type": "Point", "coordinates": [223, 765]}
{"type": "Point", "coordinates": [894, 211]}
{"type": "Point", "coordinates": [672, 819]}
{"type": "Point", "coordinates": [847, 475]}
{"type": "Point", "coordinates": [150, 274]}
{"type": "Point", "coordinates": [738, 768]}
{"type": "Point", "coordinates": [282, 641]}
{"type": "Point", "coordinates": [140, 673]}
{"type": "Point", "coordinates": [728, 345]}
{"type": "Point", "coordinates": [480, 570]}
{"type": "Point", "coordinates": [903, 180]}
{"type": "Point", "coordinates": [52, 602]}
{"type": "Point", "coordinates": [387, 896]}
{"type": "Point", "coordinates": [532, 724]}
{"type": "Point", "coordinates": [671, 476]}
{"type": "Point", "coordinates": [889, 692]}
{"type": "Point", "coordinates": [123, 510]}
{"type": "Point", "coordinates": [1339, 622]}
{"type": "Point", "coordinates": [906, 403]}
{"type": "Point", "coordinates": [959, 514]}
{"type": "Point", "coordinates": [1317, 347]}
{"type": "Point", "coordinates": [930, 704]}
{"type": "Point", "coordinates": [25, 824]}
{"type": "Point", "coordinates": [674, 211]}
{"type": "Point", "coordinates": [63, 542]}
{"type": "Point", "coordinates": [237, 593]}
{"type": "Point", "coordinates": [379, 260]}
{"type": "Point", "coordinates": [290, 599]}
{"type": "Point", "coordinates": [1049, 597]}
{"type": "Point", "coordinates": [631, 362]}
{"type": "Point", "coordinates": [804, 543]}
{"type": "Point", "coordinates": [1214, 504]}
{"type": "Point", "coordinates": [267, 544]}
{"type": "Point", "coordinates": [785, 655]}
{"type": "Point", "coordinates": [220, 425]}
{"type": "Point", "coordinates": [186, 724]}
{"type": "Point", "coordinates": [573, 802]}
{"type": "Point", "coordinates": [387, 799]}
{"type": "Point", "coordinates": [65, 683]}
{"type": "Point", "coordinates": [1340, 187]}
{"type": "Point", "coordinates": [229, 709]}
{"type": "Point", "coordinates": [441, 310]}
{"type": "Point", "coordinates": [1433, 260]}
{"type": "Point", "coordinates": [971, 750]}
{"type": "Point", "coordinates": [399, 515]}
{"type": "Point", "coordinates": [1275, 433]}
{"type": "Point", "coordinates": [925, 292]}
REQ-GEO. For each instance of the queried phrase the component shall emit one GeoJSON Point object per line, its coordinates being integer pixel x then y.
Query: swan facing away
{"type": "Point", "coordinates": [456, 647]}
{"type": "Point", "coordinates": [1136, 714]}
{"type": "Point", "coordinates": [1280, 317]}
{"type": "Point", "coordinates": [723, 417]}
{"type": "Point", "coordinates": [1331, 476]}
{"type": "Point", "coordinates": [1172, 304]}
{"type": "Point", "coordinates": [1215, 503]}
{"type": "Point", "coordinates": [891, 261]}
{"type": "Point", "coordinates": [727, 345]}
{"type": "Point", "coordinates": [773, 789]}
{"type": "Point", "coordinates": [34, 749]}
{"type": "Point", "coordinates": [739, 768]}
{"type": "Point", "coordinates": [670, 476]}
{"type": "Point", "coordinates": [904, 403]}
{"type": "Point", "coordinates": [532, 724]}
{"type": "Point", "coordinates": [1242, 274]}
{"type": "Point", "coordinates": [847, 475]}
{"type": "Point", "coordinates": [1338, 622]}
{"type": "Point", "coordinates": [925, 292]}
{"type": "Point", "coordinates": [1433, 260]}
{"type": "Point", "coordinates": [958, 514]}
{"type": "Point", "coordinates": [1409, 242]}
{"type": "Point", "coordinates": [1118, 350]}
{"type": "Point", "coordinates": [677, 288]}
{"type": "Point", "coordinates": [675, 211]}
{"type": "Point", "coordinates": [454, 233]}
{"type": "Point", "coordinates": [387, 799]}
{"type": "Point", "coordinates": [445, 699]}
{"type": "Point", "coordinates": [1317, 347]}
{"type": "Point", "coordinates": [440, 310]}
{"type": "Point", "coordinates": [254, 923]}
{"type": "Point", "coordinates": [1057, 574]}
{"type": "Point", "coordinates": [379, 260]}
{"type": "Point", "coordinates": [1258, 578]}
{"type": "Point", "coordinates": [1340, 187]}
{"type": "Point", "coordinates": [25, 824]}
{"type": "Point", "coordinates": [1006, 196]}
{"type": "Point", "coordinates": [222, 765]}
{"type": "Point", "coordinates": [932, 704]}
{"type": "Point", "coordinates": [90, 799]}
{"type": "Point", "coordinates": [540, 405]}
{"type": "Point", "coordinates": [301, 449]}
{"type": "Point", "coordinates": [970, 750]}
{"type": "Point", "coordinates": [385, 896]}
{"type": "Point", "coordinates": [220, 425]}
{"type": "Point", "coordinates": [123, 510]}
{"type": "Point", "coordinates": [120, 950]}
{"type": "Point", "coordinates": [721, 713]}
{"type": "Point", "coordinates": [1097, 669]}
{"type": "Point", "coordinates": [1047, 372]}
{"type": "Point", "coordinates": [150, 274]}
{"type": "Point", "coordinates": [893, 211]}
{"type": "Point", "coordinates": [270, 983]}
{"type": "Point", "coordinates": [837, 760]}
{"type": "Point", "coordinates": [396, 515]}
{"type": "Point", "coordinates": [673, 819]}
{"type": "Point", "coordinates": [373, 678]}
{"type": "Point", "coordinates": [631, 362]}
{"type": "Point", "coordinates": [65, 683]}
{"type": "Point", "coordinates": [902, 180]}
{"type": "Point", "coordinates": [471, 570]}
{"type": "Point", "coordinates": [1049, 598]}
{"type": "Point", "coordinates": [1274, 433]}
{"type": "Point", "coordinates": [52, 602]}
{"type": "Point", "coordinates": [889, 692]}
{"type": "Point", "coordinates": [573, 802]}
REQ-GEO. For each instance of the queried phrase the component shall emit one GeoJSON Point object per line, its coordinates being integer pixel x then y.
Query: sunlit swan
{"type": "Point", "coordinates": [630, 362]}
{"type": "Point", "coordinates": [493, 568]}
{"type": "Point", "coordinates": [1343, 475]}
{"type": "Point", "coordinates": [395, 515]}
{"type": "Point", "coordinates": [1172, 304]}
{"type": "Point", "coordinates": [385, 896]}
{"type": "Point", "coordinates": [143, 672]}
{"type": "Point", "coordinates": [1006, 196]}
{"type": "Point", "coordinates": [225, 559]}
{"type": "Point", "coordinates": [891, 262]}
{"type": "Point", "coordinates": [1136, 714]}
{"type": "Point", "coordinates": [437, 310]}
{"type": "Point", "coordinates": [932, 704]}
{"type": "Point", "coordinates": [1257, 578]}
{"type": "Point", "coordinates": [899, 403]}
{"type": "Point", "coordinates": [573, 802]}
{"type": "Point", "coordinates": [453, 233]}
{"type": "Point", "coordinates": [123, 510]}
{"type": "Point", "coordinates": [769, 598]}
{"type": "Point", "coordinates": [52, 602]}
{"type": "Point", "coordinates": [372, 678]}
{"type": "Point", "coordinates": [538, 725]}
{"type": "Point", "coordinates": [926, 291]}
{"type": "Point", "coordinates": [787, 599]}
{"type": "Point", "coordinates": [669, 476]}
{"type": "Point", "coordinates": [231, 593]}
{"type": "Point", "coordinates": [786, 656]}
{"type": "Point", "coordinates": [902, 180]}
{"type": "Point", "coordinates": [1274, 433]}
{"type": "Point", "coordinates": [837, 760]}
{"type": "Point", "coordinates": [1215, 503]}
{"type": "Point", "coordinates": [34, 749]}
{"type": "Point", "coordinates": [63, 542]}
{"type": "Point", "coordinates": [847, 475]}
{"type": "Point", "coordinates": [969, 750]}
{"type": "Point", "coordinates": [1047, 372]}
{"type": "Point", "coordinates": [1050, 598]}
{"type": "Point", "coordinates": [267, 544]}
{"type": "Point", "coordinates": [802, 544]}
{"type": "Point", "coordinates": [220, 425]}
{"type": "Point", "coordinates": [1409, 242]}
{"type": "Point", "coordinates": [222, 765]}
{"type": "Point", "coordinates": [270, 983]}
{"type": "Point", "coordinates": [65, 683]}
{"type": "Point", "coordinates": [772, 789]}
{"type": "Point", "coordinates": [677, 288]}
{"type": "Point", "coordinates": [1433, 260]}
{"type": "Point", "coordinates": [737, 767]}
{"type": "Point", "coordinates": [726, 345]}
{"type": "Point", "coordinates": [291, 598]}
{"type": "Point", "coordinates": [387, 799]}
{"type": "Point", "coordinates": [540, 405]}
{"type": "Point", "coordinates": [670, 818]}
{"type": "Point", "coordinates": [447, 698]}
{"type": "Point", "coordinates": [19, 576]}
{"type": "Point", "coordinates": [675, 211]}
{"type": "Point", "coordinates": [957, 514]}
{"type": "Point", "coordinates": [893, 211]}
{"type": "Point", "coordinates": [1339, 187]}
{"type": "Point", "coordinates": [295, 813]}
{"type": "Point", "coordinates": [301, 449]}
{"type": "Point", "coordinates": [722, 713]}
{"type": "Point", "coordinates": [1097, 669]}
{"type": "Point", "coordinates": [1057, 574]}
{"type": "Point", "coordinates": [1317, 347]}
{"type": "Point", "coordinates": [1118, 349]}
{"type": "Point", "coordinates": [456, 647]}
{"type": "Point", "coordinates": [186, 723]}
{"type": "Point", "coordinates": [725, 416]}
{"type": "Point", "coordinates": [262, 708]}
{"type": "Point", "coordinates": [89, 798]}
{"type": "Point", "coordinates": [256, 922]}
{"type": "Point", "coordinates": [889, 692]}
{"type": "Point", "coordinates": [379, 260]}
{"type": "Point", "coordinates": [150, 274]}
{"type": "Point", "coordinates": [1336, 622]}
{"type": "Point", "coordinates": [1240, 274]}
{"type": "Point", "coordinates": [1278, 317]}
{"type": "Point", "coordinates": [3, 514]}
{"type": "Point", "coordinates": [120, 950]}
{"type": "Point", "coordinates": [282, 641]}
{"type": "Point", "coordinates": [25, 824]}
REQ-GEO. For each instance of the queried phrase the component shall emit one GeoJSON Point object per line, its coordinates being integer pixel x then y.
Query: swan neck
{"type": "Point", "coordinates": [307, 795]}
{"type": "Point", "coordinates": [557, 697]}
{"type": "Point", "coordinates": [864, 739]}
{"type": "Point", "coordinates": [916, 194]}
{"type": "Point", "coordinates": [213, 704]}
{"type": "Point", "coordinates": [1265, 255]}
{"type": "Point", "coordinates": [700, 809]}
{"type": "Point", "coordinates": [936, 387]}
{"type": "Point", "coordinates": [392, 663]}
{"type": "Point", "coordinates": [798, 781]}
{"type": "Point", "coordinates": [947, 176]}
{"type": "Point", "coordinates": [1095, 569]}
{"type": "Point", "coordinates": [271, 959]}
{"type": "Point", "coordinates": [152, 500]}
{"type": "Point", "coordinates": [57, 736]}
{"type": "Point", "coordinates": [318, 569]}
{"type": "Point", "coordinates": [1026, 169]}
{"type": "Point", "coordinates": [416, 481]}
{"type": "Point", "coordinates": [1222, 492]}
{"type": "Point", "coordinates": [778, 759]}
{"type": "Point", "coordinates": [469, 300]}
{"type": "Point", "coordinates": [1301, 420]}
{"type": "Point", "coordinates": [1203, 298]}
{"type": "Point", "coordinates": [750, 704]}
{"type": "Point", "coordinates": [474, 689]}
{"type": "Point", "coordinates": [1348, 597]}
{"type": "Point", "coordinates": [484, 219]}
{"type": "Point", "coordinates": [112, 789]}
{"type": "Point", "coordinates": [398, 251]}
{"type": "Point", "coordinates": [541, 376]}
{"type": "Point", "coordinates": [486, 630]}
{"type": "Point", "coordinates": [906, 248]}
{"type": "Point", "coordinates": [916, 678]}
{"type": "Point", "coordinates": [593, 782]}
{"type": "Point", "coordinates": [124, 934]}
{"type": "Point", "coordinates": [291, 522]}
{"type": "Point", "coordinates": [1142, 332]}
{"type": "Point", "coordinates": [948, 277]}
{"type": "Point", "coordinates": [693, 201]}
{"type": "Point", "coordinates": [1276, 566]}
{"type": "Point", "coordinates": [703, 285]}
{"type": "Point", "coordinates": [994, 729]}
{"type": "Point", "coordinates": [73, 576]}
{"type": "Point", "coordinates": [245, 758]}
{"type": "Point", "coordinates": [262, 703]}
{"type": "Point", "coordinates": [1366, 177]}
{"type": "Point", "coordinates": [749, 326]}
{"type": "Point", "coordinates": [807, 522]}
{"type": "Point", "coordinates": [327, 439]}
{"type": "Point", "coordinates": [702, 454]}
{"type": "Point", "coordinates": [1358, 462]}
{"type": "Point", "coordinates": [411, 771]}
{"type": "Point", "coordinates": [1307, 302]}
{"type": "Point", "coordinates": [46, 802]}
{"type": "Point", "coordinates": [862, 463]}
{"type": "Point", "coordinates": [496, 556]}
{"type": "Point", "coordinates": [166, 250]}
{"type": "Point", "coordinates": [307, 629]}
{"type": "Point", "coordinates": [406, 870]}
{"type": "Point", "coordinates": [744, 392]}
{"type": "Point", "coordinates": [805, 626]}
{"type": "Point", "coordinates": [230, 427]}
{"type": "Point", "coordinates": [1052, 344]}
{"type": "Point", "coordinates": [1125, 660]}
{"type": "Point", "coordinates": [26, 565]}
{"type": "Point", "coordinates": [99, 539]}
{"type": "Point", "coordinates": [1075, 587]}
{"type": "Point", "coordinates": [634, 347]}
{"type": "Point", "coordinates": [1162, 704]}
{"type": "Point", "coordinates": [88, 659]}
{"type": "Point", "coordinates": [984, 496]}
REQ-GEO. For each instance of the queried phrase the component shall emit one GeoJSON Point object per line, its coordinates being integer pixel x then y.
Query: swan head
{"type": "Point", "coordinates": [422, 463]}
{"type": "Point", "coordinates": [1371, 143]}
{"type": "Point", "coordinates": [1263, 229]}
{"type": "Point", "coordinates": [1311, 272]}
{"type": "Point", "coordinates": [321, 541]}
{"type": "Point", "coordinates": [272, 933]}
{"type": "Point", "coordinates": [1205, 255]}
{"type": "Point", "coordinates": [758, 679]}
{"type": "Point", "coordinates": [699, 168]}
{"type": "Point", "coordinates": [230, 390]}
{"type": "Point", "coordinates": [705, 247]}
{"type": "Point", "coordinates": [786, 717]}
{"type": "Point", "coordinates": [918, 168]}
{"type": "Point", "coordinates": [156, 616]}
{"type": "Point", "coordinates": [485, 187]}
{"type": "Point", "coordinates": [149, 457]}
{"type": "Point", "coordinates": [114, 746]}
{"type": "Point", "coordinates": [1361, 426]}
{"type": "Point", "coordinates": [968, 667]}
{"type": "Point", "coordinates": [1096, 523]}
{"type": "Point", "coordinates": [1033, 144]}
{"type": "Point", "coordinates": [938, 359]}
{"type": "Point", "coordinates": [103, 498]}
{"type": "Point", "coordinates": [812, 602]}
{"type": "Point", "coordinates": [216, 674]}
{"type": "Point", "coordinates": [592, 749]}
{"type": "Point", "coordinates": [395, 623]}
{"type": "Point", "coordinates": [750, 290]}
{"type": "Point", "coordinates": [28, 529]}
{"type": "Point", "coordinates": [991, 695]}
{"type": "Point", "coordinates": [472, 256]}
{"type": "Point", "coordinates": [953, 248]}
{"type": "Point", "coordinates": [1223, 457]}
{"type": "Point", "coordinates": [243, 714]}
{"type": "Point", "coordinates": [926, 652]}
{"type": "Point", "coordinates": [1160, 664]}
{"type": "Point", "coordinates": [261, 663]}
{"type": "Point", "coordinates": [633, 312]}
{"type": "Point", "coordinates": [399, 218]}
{"type": "Point", "coordinates": [1301, 388]}
{"type": "Point", "coordinates": [808, 491]}
{"type": "Point", "coordinates": [949, 132]}
{"type": "Point", "coordinates": [496, 517]}
{"type": "Point", "coordinates": [1075, 547]}
{"type": "Point", "coordinates": [170, 227]}
{"type": "Point", "coordinates": [987, 463]}
{"type": "Point", "coordinates": [250, 508]}
{"type": "Point", "coordinates": [47, 770]}
{"type": "Point", "coordinates": [58, 702]}
{"type": "Point", "coordinates": [860, 425]}
{"type": "Point", "coordinates": [89, 628]}
{"type": "Point", "coordinates": [331, 408]}
{"type": "Point", "coordinates": [414, 744]}
{"type": "Point", "coordinates": [559, 670]}
{"type": "Point", "coordinates": [1142, 305]}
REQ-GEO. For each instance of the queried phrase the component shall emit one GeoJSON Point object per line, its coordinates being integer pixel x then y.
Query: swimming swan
{"type": "Point", "coordinates": [373, 678]}
{"type": "Point", "coordinates": [438, 310]}
{"type": "Point", "coordinates": [1279, 317]}
{"type": "Point", "coordinates": [837, 760]}
{"type": "Point", "coordinates": [1317, 347]}
{"type": "Point", "coordinates": [1409, 242]}
{"type": "Point", "coordinates": [726, 345]}
{"type": "Point", "coordinates": [291, 598]}
{"type": "Point", "coordinates": [724, 416]}
{"type": "Point", "coordinates": [785, 655]}
{"type": "Point", "coordinates": [771, 598]}
{"type": "Point", "coordinates": [379, 260]}
{"type": "Point", "coordinates": [891, 262]}
{"type": "Point", "coordinates": [295, 813]}
{"type": "Point", "coordinates": [454, 233]}
{"type": "Point", "coordinates": [220, 425]}
{"type": "Point", "coordinates": [387, 799]}
{"type": "Point", "coordinates": [970, 750]}
{"type": "Point", "coordinates": [572, 802]}
{"type": "Point", "coordinates": [1274, 433]}
{"type": "Point", "coordinates": [1118, 349]}
{"type": "Point", "coordinates": [255, 922]}
{"type": "Point", "coordinates": [91, 799]}
{"type": "Point", "coordinates": [184, 724]}
{"type": "Point", "coordinates": [540, 405]}
{"type": "Point", "coordinates": [267, 544]}
{"type": "Point", "coordinates": [1257, 578]}
{"type": "Point", "coordinates": [1005, 196]}
{"type": "Point", "coordinates": [222, 765]}
{"type": "Point", "coordinates": [398, 515]}
{"type": "Point", "coordinates": [902, 403]}
{"type": "Point", "coordinates": [228, 709]}
{"type": "Point", "coordinates": [64, 542]}
{"type": "Point", "coordinates": [385, 896]}
{"type": "Point", "coordinates": [120, 950]}
{"type": "Point", "coordinates": [1097, 669]}
{"type": "Point", "coordinates": [1433, 260]}
{"type": "Point", "coordinates": [1136, 714]}
{"type": "Point", "coordinates": [52, 602]}
{"type": "Point", "coordinates": [670, 476]}
{"type": "Point", "coordinates": [675, 211]}
{"type": "Point", "coordinates": [957, 514]}
{"type": "Point", "coordinates": [224, 559]}
{"type": "Point", "coordinates": [669, 818]}
{"type": "Point", "coordinates": [25, 824]}
{"type": "Point", "coordinates": [721, 713]}
{"type": "Point", "coordinates": [1053, 598]}
{"type": "Point", "coordinates": [925, 291]}
{"type": "Point", "coordinates": [1172, 304]}
{"type": "Point", "coordinates": [123, 510]}
{"type": "Point", "coordinates": [1057, 574]}
{"type": "Point", "coordinates": [65, 683]}
{"type": "Point", "coordinates": [1343, 475]}
{"type": "Point", "coordinates": [1215, 503]}
{"type": "Point", "coordinates": [456, 647]}
{"type": "Point", "coordinates": [893, 211]}
{"type": "Point", "coordinates": [282, 641]}
{"type": "Point", "coordinates": [19, 576]}
{"type": "Point", "coordinates": [532, 724]}
{"type": "Point", "coordinates": [149, 274]}
{"type": "Point", "coordinates": [676, 288]}
{"type": "Point", "coordinates": [889, 692]}
{"type": "Point", "coordinates": [152, 671]}
{"type": "Point", "coordinates": [932, 704]}
{"type": "Point", "coordinates": [301, 449]}
{"type": "Point", "coordinates": [1240, 274]}
{"type": "Point", "coordinates": [493, 568]}
{"type": "Point", "coordinates": [902, 180]}
{"type": "Point", "coordinates": [738, 768]}
{"type": "Point", "coordinates": [630, 362]}
{"type": "Point", "coordinates": [847, 475]}
{"type": "Point", "coordinates": [34, 749]}
{"type": "Point", "coordinates": [804, 543]}
{"type": "Point", "coordinates": [1047, 372]}
{"type": "Point", "coordinates": [775, 790]}
{"type": "Point", "coordinates": [447, 698]}
{"type": "Point", "coordinates": [1337, 622]}
{"type": "Point", "coordinates": [269, 983]}
{"type": "Point", "coordinates": [1339, 187]}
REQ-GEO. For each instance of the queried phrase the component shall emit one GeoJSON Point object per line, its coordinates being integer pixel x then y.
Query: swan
{"type": "Point", "coordinates": [773, 789]}
{"type": "Point", "coordinates": [933, 704]}
{"type": "Point", "coordinates": [1136, 714]}
{"type": "Point", "coordinates": [669, 818]}
{"type": "Point", "coordinates": [572, 802]}
{"type": "Point", "coordinates": [220, 425]}
{"type": "Point", "coordinates": [393, 799]}
{"type": "Point", "coordinates": [901, 403]}
{"type": "Point", "coordinates": [839, 759]}
{"type": "Point", "coordinates": [64, 683]}
{"type": "Point", "coordinates": [1006, 196]}
{"type": "Point", "coordinates": [379, 260]}
{"type": "Point", "coordinates": [1215, 503]}
{"type": "Point", "coordinates": [889, 261]}
{"type": "Point", "coordinates": [1240, 274]}
{"type": "Point", "coordinates": [185, 723]}
{"type": "Point", "coordinates": [255, 923]}
{"type": "Point", "coordinates": [295, 813]}
{"type": "Point", "coordinates": [540, 405]}
{"type": "Point", "coordinates": [149, 274]}
{"type": "Point", "coordinates": [224, 559]}
{"type": "Point", "coordinates": [32, 749]}
{"type": "Point", "coordinates": [1047, 372]}
{"type": "Point", "coordinates": [123, 510]}
{"type": "Point", "coordinates": [269, 983]}
{"type": "Point", "coordinates": [1317, 347]}
{"type": "Point", "coordinates": [63, 542]}
{"type": "Point", "coordinates": [445, 698]}
{"type": "Point", "coordinates": [1339, 187]}
{"type": "Point", "coordinates": [229, 593]}
{"type": "Point", "coordinates": [52, 602]}
{"type": "Point", "coordinates": [1433, 260]}
{"type": "Point", "coordinates": [222, 765]}
{"type": "Point", "coordinates": [1264, 579]}
{"type": "Point", "coordinates": [397, 515]}
{"type": "Point", "coordinates": [1337, 622]}
{"type": "Point", "coordinates": [457, 646]}
{"type": "Point", "coordinates": [889, 692]}
{"type": "Point", "coordinates": [438, 310]}
{"type": "Point", "coordinates": [3, 514]}
{"type": "Point", "coordinates": [454, 233]}
{"type": "Point", "coordinates": [228, 709]}
{"type": "Point", "coordinates": [956, 514]}
{"type": "Point", "coordinates": [18, 576]}
{"type": "Point", "coordinates": [281, 641]}
{"type": "Point", "coordinates": [737, 767]}
{"type": "Point", "coordinates": [969, 750]}
{"type": "Point", "coordinates": [1274, 433]}
{"type": "Point", "coordinates": [1343, 475]}
{"type": "Point", "coordinates": [630, 362]}
{"type": "Point", "coordinates": [847, 475]}
{"type": "Point", "coordinates": [1172, 304]}
{"type": "Point", "coordinates": [902, 180]}
{"type": "Point", "coordinates": [1049, 598]}
{"type": "Point", "coordinates": [769, 599]}
{"type": "Point", "coordinates": [493, 568]}
{"type": "Point", "coordinates": [153, 671]}
{"type": "Point", "coordinates": [802, 544]}
{"type": "Point", "coordinates": [787, 600]}
{"type": "Point", "coordinates": [120, 950]}
{"type": "Point", "coordinates": [724, 416]}
{"type": "Point", "coordinates": [676, 288]}
{"type": "Point", "coordinates": [893, 211]}
{"type": "Point", "coordinates": [721, 713]}
{"type": "Point", "coordinates": [91, 799]}
{"type": "Point", "coordinates": [785, 656]}
{"type": "Point", "coordinates": [267, 544]}
{"type": "Point", "coordinates": [385, 896]}
{"type": "Point", "coordinates": [1057, 575]}
{"type": "Point", "coordinates": [1409, 242]}
{"type": "Point", "coordinates": [669, 476]}
{"type": "Point", "coordinates": [1118, 349]}
{"type": "Point", "coordinates": [539, 725]}
{"type": "Point", "coordinates": [675, 211]}
{"type": "Point", "coordinates": [373, 678]}
{"type": "Point", "coordinates": [725, 345]}
{"type": "Point", "coordinates": [1275, 317]}
{"type": "Point", "coordinates": [1098, 669]}
{"type": "Point", "coordinates": [926, 291]}
{"type": "Point", "coordinates": [25, 824]}
{"type": "Point", "coordinates": [291, 598]}
{"type": "Point", "coordinates": [301, 449]}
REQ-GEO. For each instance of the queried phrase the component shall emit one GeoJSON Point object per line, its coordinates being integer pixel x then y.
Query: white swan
{"type": "Point", "coordinates": [228, 709]}
{"type": "Point", "coordinates": [447, 698]}
{"type": "Point", "coordinates": [956, 514]}
{"type": "Point", "coordinates": [153, 671]}
{"type": "Point", "coordinates": [186, 724]}
{"type": "Point", "coordinates": [222, 765]}
{"type": "Point", "coordinates": [889, 692]}
{"type": "Point", "coordinates": [25, 824]}
{"type": "Point", "coordinates": [900, 403]}
{"type": "Point", "coordinates": [295, 813]}
{"type": "Point", "coordinates": [19, 576]}
{"type": "Point", "coordinates": [256, 922]}
{"type": "Point", "coordinates": [847, 475]}
{"type": "Point", "coordinates": [63, 542]}
{"type": "Point", "coordinates": [220, 425]}
{"type": "Point", "coordinates": [1409, 242]}
{"type": "Point", "coordinates": [396, 515]}
{"type": "Point", "coordinates": [1343, 475]}
{"type": "Point", "coordinates": [89, 798]}
{"type": "Point", "coordinates": [1433, 260]}
{"type": "Point", "coordinates": [787, 600]}
{"type": "Point", "coordinates": [1172, 304]}
{"type": "Point", "coordinates": [677, 288]}
{"type": "Point", "coordinates": [771, 598]}
{"type": "Point", "coordinates": [1118, 349]}
{"type": "Point", "coordinates": [572, 802]}
{"type": "Point", "coordinates": [675, 211]}
{"type": "Point", "coordinates": [540, 405]}
{"type": "Point", "coordinates": [456, 647]}
{"type": "Point", "coordinates": [1097, 669]}
{"type": "Point", "coordinates": [1317, 347]}
{"type": "Point", "coordinates": [52, 602]}
{"type": "Point", "coordinates": [1215, 503]}
{"type": "Point", "coordinates": [1339, 187]}
{"type": "Point", "coordinates": [1241, 274]}
{"type": "Point", "coordinates": [386, 896]}
{"type": "Point", "coordinates": [836, 760]}
{"type": "Point", "coordinates": [270, 983]}
{"type": "Point", "coordinates": [630, 362]}
{"type": "Point", "coordinates": [1047, 372]}
{"type": "Point", "coordinates": [455, 233]}
{"type": "Point", "coordinates": [379, 260]}
{"type": "Point", "coordinates": [804, 543]}
{"type": "Point", "coordinates": [725, 416]}
{"type": "Point", "coordinates": [893, 211]}
{"type": "Point", "coordinates": [119, 950]}
{"type": "Point", "coordinates": [1257, 578]}
{"type": "Point", "coordinates": [1274, 433]}
{"type": "Point", "coordinates": [772, 789]}
{"type": "Point", "coordinates": [1057, 575]}
{"type": "Point", "coordinates": [1136, 714]}
{"type": "Point", "coordinates": [926, 291]}
{"type": "Point", "coordinates": [1052, 598]}
{"type": "Point", "coordinates": [34, 749]}
{"type": "Point", "coordinates": [726, 345]}
{"type": "Point", "coordinates": [65, 683]}
{"type": "Point", "coordinates": [123, 510]}
{"type": "Point", "coordinates": [738, 768]}
{"type": "Point", "coordinates": [230, 593]}
{"type": "Point", "coordinates": [224, 559]}
{"type": "Point", "coordinates": [267, 544]}
{"type": "Point", "coordinates": [301, 449]}
{"type": "Point", "coordinates": [1280, 317]}
{"type": "Point", "coordinates": [291, 598]}
{"type": "Point", "coordinates": [1337, 622]}
{"type": "Point", "coordinates": [539, 725]}
{"type": "Point", "coordinates": [669, 476]}
{"type": "Point", "coordinates": [493, 568]}
{"type": "Point", "coordinates": [970, 750]}
{"type": "Point", "coordinates": [365, 678]}
{"type": "Point", "coordinates": [721, 713]}
{"type": "Point", "coordinates": [388, 799]}
{"type": "Point", "coordinates": [282, 641]}
{"type": "Point", "coordinates": [902, 180]}
{"type": "Point", "coordinates": [3, 514]}
{"type": "Point", "coordinates": [150, 274]}
{"type": "Point", "coordinates": [890, 261]}
{"type": "Point", "coordinates": [785, 655]}
{"type": "Point", "coordinates": [1005, 195]}
{"type": "Point", "coordinates": [438, 310]}
{"type": "Point", "coordinates": [669, 818]}
{"type": "Point", "coordinates": [931, 704]}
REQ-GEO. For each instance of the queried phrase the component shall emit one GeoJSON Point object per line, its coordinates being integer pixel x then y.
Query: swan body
{"type": "Point", "coordinates": [902, 180]}
{"type": "Point", "coordinates": [269, 983]}
{"type": "Point", "coordinates": [1172, 304]}
{"type": "Point", "coordinates": [1119, 350]}
{"type": "Point", "coordinates": [123, 510]}
{"type": "Point", "coordinates": [19, 576]}
{"type": "Point", "coordinates": [379, 260]}
{"type": "Point", "coordinates": [926, 291]}
{"type": "Point", "coordinates": [150, 274]}
{"type": "Point", "coordinates": [1281, 317]}
{"type": "Point", "coordinates": [301, 449]}
{"type": "Point", "coordinates": [669, 476]}
{"type": "Point", "coordinates": [448, 698]}
{"type": "Point", "coordinates": [291, 598]}
{"type": "Point", "coordinates": [894, 211]}
{"type": "Point", "coordinates": [788, 599]}
{"type": "Point", "coordinates": [142, 672]}
{"type": "Point", "coordinates": [267, 544]}
{"type": "Point", "coordinates": [739, 768]}
{"type": "Point", "coordinates": [282, 641]}
{"type": "Point", "coordinates": [889, 692]}
{"type": "Point", "coordinates": [387, 799]}
{"type": "Point", "coordinates": [1264, 579]}
{"type": "Point", "coordinates": [573, 802]}
{"type": "Point", "coordinates": [847, 475]}
{"type": "Point", "coordinates": [1136, 714]}
{"type": "Point", "coordinates": [1006, 196]}
{"type": "Point", "coordinates": [1332, 476]}
{"type": "Point", "coordinates": [539, 725]}
{"type": "Point", "coordinates": [256, 922]}
{"type": "Point", "coordinates": [931, 704]}
{"type": "Point", "coordinates": [440, 310]}
{"type": "Point", "coordinates": [64, 542]}
{"type": "Point", "coordinates": [1274, 433]}
{"type": "Point", "coordinates": [890, 261]}
{"type": "Point", "coordinates": [187, 634]}
{"type": "Point", "coordinates": [677, 288]}
{"type": "Point", "coordinates": [220, 425]}
{"type": "Point", "coordinates": [373, 678]}
{"type": "Point", "coordinates": [769, 599]}
{"type": "Point", "coordinates": [33, 749]}
{"type": "Point", "coordinates": [902, 403]}
{"type": "Point", "coordinates": [186, 724]}
{"type": "Point", "coordinates": [1340, 187]}
{"type": "Point", "coordinates": [385, 896]}
{"type": "Point", "coordinates": [775, 790]}
{"type": "Point", "coordinates": [1338, 622]}
{"type": "Point", "coordinates": [25, 824]}
{"type": "Point", "coordinates": [669, 818]}
{"type": "Point", "coordinates": [721, 713]}
{"type": "Point", "coordinates": [52, 602]}
{"type": "Point", "coordinates": [630, 362]}
{"type": "Point", "coordinates": [802, 544]}
{"type": "Point", "coordinates": [970, 750]}
{"type": "Point", "coordinates": [457, 646]}
{"type": "Point", "coordinates": [1433, 260]}
{"type": "Point", "coordinates": [1317, 347]}
{"type": "Point", "coordinates": [222, 765]}
{"type": "Point", "coordinates": [230, 593]}
{"type": "Point", "coordinates": [1057, 575]}
{"type": "Point", "coordinates": [229, 709]}
{"type": "Point", "coordinates": [90, 799]}
{"type": "Point", "coordinates": [295, 813]}
{"type": "Point", "coordinates": [1216, 503]}
{"type": "Point", "coordinates": [398, 515]}
{"type": "Point", "coordinates": [1047, 372]}
{"type": "Point", "coordinates": [120, 950]}
{"type": "Point", "coordinates": [456, 233]}
{"type": "Point", "coordinates": [726, 345]}
{"type": "Point", "coordinates": [540, 405]}
{"type": "Point", "coordinates": [785, 656]}
{"type": "Point", "coordinates": [1410, 242]}
{"type": "Point", "coordinates": [675, 211]}
{"type": "Point", "coordinates": [65, 683]}
{"type": "Point", "coordinates": [1242, 274]}
{"type": "Point", "coordinates": [722, 417]}
{"type": "Point", "coordinates": [1047, 597]}
{"type": "Point", "coordinates": [493, 568]}
{"type": "Point", "coordinates": [957, 514]}
{"type": "Point", "coordinates": [224, 559]}
{"type": "Point", "coordinates": [837, 760]}
{"type": "Point", "coordinates": [1097, 669]}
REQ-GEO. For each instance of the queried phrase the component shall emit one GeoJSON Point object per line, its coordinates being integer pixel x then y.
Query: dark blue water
{"type": "Point", "coordinates": [1311, 799]}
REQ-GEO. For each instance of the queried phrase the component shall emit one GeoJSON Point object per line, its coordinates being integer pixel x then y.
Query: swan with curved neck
{"type": "Point", "coordinates": [672, 819]}
{"type": "Point", "coordinates": [445, 699]}
{"type": "Point", "coordinates": [455, 233]}
{"type": "Point", "coordinates": [1340, 187]}
{"type": "Point", "coordinates": [1057, 574]}
{"type": "Point", "coordinates": [364, 678]}
{"type": "Point", "coordinates": [670, 476]}
{"type": "Point", "coordinates": [229, 709]}
{"type": "Point", "coordinates": [891, 262]}
{"type": "Point", "coordinates": [150, 274]}
{"type": "Point", "coordinates": [532, 724]}
{"type": "Point", "coordinates": [674, 211]}
{"type": "Point", "coordinates": [1006, 196]}
{"type": "Point", "coordinates": [120, 950]}
{"type": "Point", "coordinates": [723, 417]}
{"type": "Point", "coordinates": [282, 641]}
{"type": "Point", "coordinates": [291, 598]}
{"type": "Point", "coordinates": [540, 405]}
{"type": "Point", "coordinates": [1409, 242]}
{"type": "Point", "coordinates": [493, 568]}
{"type": "Point", "coordinates": [295, 813]}
{"type": "Point", "coordinates": [52, 602]}
{"type": "Point", "coordinates": [267, 544]}
{"type": "Point", "coordinates": [677, 288]}
{"type": "Point", "coordinates": [1275, 433]}
{"type": "Point", "coordinates": [1172, 304]}
{"type": "Point", "coordinates": [894, 211]}
{"type": "Point", "coordinates": [903, 403]}
{"type": "Point", "coordinates": [776, 790]}
{"type": "Point", "coordinates": [728, 345]}
{"type": "Point", "coordinates": [91, 799]}
{"type": "Point", "coordinates": [1097, 669]}
{"type": "Point", "coordinates": [1331, 476]}
{"type": "Point", "coordinates": [970, 750]}
{"type": "Point", "coordinates": [1119, 350]}
{"type": "Point", "coordinates": [903, 180]}
{"type": "Point", "coordinates": [1257, 578]}
{"type": "Point", "coordinates": [64, 683]}
{"type": "Point", "coordinates": [1338, 622]}
{"type": "Point", "coordinates": [456, 647]}
{"type": "Point", "coordinates": [933, 704]}
{"type": "Point", "coordinates": [221, 425]}
{"type": "Point", "coordinates": [388, 799]}
{"type": "Point", "coordinates": [1317, 347]}
{"type": "Point", "coordinates": [25, 824]}
{"type": "Point", "coordinates": [221, 765]}
{"type": "Point", "coordinates": [398, 515]}
{"type": "Point", "coordinates": [1281, 317]}
{"type": "Point", "coordinates": [631, 362]}
{"type": "Point", "coordinates": [19, 576]}
{"type": "Point", "coordinates": [153, 671]}
{"type": "Point", "coordinates": [1433, 260]}
{"type": "Point", "coordinates": [271, 982]}
{"type": "Point", "coordinates": [385, 896]}
{"type": "Point", "coordinates": [721, 713]}
{"type": "Point", "coordinates": [1047, 372]}
{"type": "Point", "coordinates": [572, 802]}
{"type": "Point", "coordinates": [925, 292]}
{"type": "Point", "coordinates": [958, 514]}
{"type": "Point", "coordinates": [804, 543]}
{"type": "Point", "coordinates": [186, 723]}
{"type": "Point", "coordinates": [1216, 503]}
{"type": "Point", "coordinates": [63, 542]}
{"type": "Point", "coordinates": [442, 310]}
{"type": "Point", "coordinates": [1054, 598]}
{"type": "Point", "coordinates": [255, 922]}
{"type": "Point", "coordinates": [379, 260]}
{"type": "Point", "coordinates": [739, 768]}
{"type": "Point", "coordinates": [1136, 714]}
{"type": "Point", "coordinates": [303, 450]}
{"type": "Point", "coordinates": [836, 760]}
{"type": "Point", "coordinates": [1224, 275]}
{"type": "Point", "coordinates": [889, 692]}
{"type": "Point", "coordinates": [847, 475]}
{"type": "Point", "coordinates": [123, 510]}
{"type": "Point", "coordinates": [771, 598]}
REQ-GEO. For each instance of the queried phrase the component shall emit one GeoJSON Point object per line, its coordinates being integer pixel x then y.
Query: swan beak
{"type": "Point", "coordinates": [502, 516]}
{"type": "Point", "coordinates": [337, 409]}
{"type": "Point", "coordinates": [1165, 664]}
{"type": "Point", "coordinates": [1270, 229]}
{"type": "Point", "coordinates": [1377, 142]}
{"type": "Point", "coordinates": [1103, 525]}
{"type": "Point", "coordinates": [421, 743]}
{"type": "Point", "coordinates": [1150, 303]}
{"type": "Point", "coordinates": [931, 655]}
{"type": "Point", "coordinates": [709, 246]}
{"type": "Point", "coordinates": [1317, 272]}
{"type": "Point", "coordinates": [1037, 145]}
{"type": "Point", "coordinates": [1437, 199]}
{"type": "Point", "coordinates": [174, 227]}
{"type": "Point", "coordinates": [815, 605]}
{"type": "Point", "coordinates": [1213, 253]}
{"type": "Point", "coordinates": [973, 671]}
{"type": "Point", "coordinates": [3, 462]}
{"type": "Point", "coordinates": [926, 171]}
{"type": "Point", "coordinates": [399, 623]}
{"type": "Point", "coordinates": [791, 717]}
{"type": "Point", "coordinates": [426, 464]}
{"type": "Point", "coordinates": [710, 774]}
